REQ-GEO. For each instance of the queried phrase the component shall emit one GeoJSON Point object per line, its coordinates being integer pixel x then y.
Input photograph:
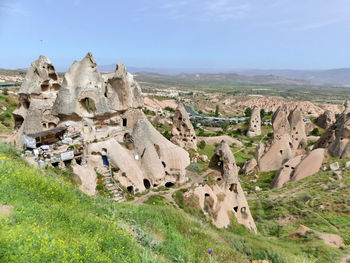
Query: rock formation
{"type": "Point", "coordinates": [299, 168]}
{"type": "Point", "coordinates": [36, 97]}
{"type": "Point", "coordinates": [329, 239]}
{"type": "Point", "coordinates": [182, 131]}
{"type": "Point", "coordinates": [337, 137]}
{"type": "Point", "coordinates": [289, 139]}
{"type": "Point", "coordinates": [224, 197]}
{"type": "Point", "coordinates": [254, 123]}
{"type": "Point", "coordinates": [85, 93]}
{"type": "Point", "coordinates": [101, 124]}
{"type": "Point", "coordinates": [326, 119]}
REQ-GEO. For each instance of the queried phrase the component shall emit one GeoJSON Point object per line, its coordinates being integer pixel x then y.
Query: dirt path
{"type": "Point", "coordinates": [195, 178]}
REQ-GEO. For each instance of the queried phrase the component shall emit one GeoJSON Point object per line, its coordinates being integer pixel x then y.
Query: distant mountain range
{"type": "Point", "coordinates": [333, 77]}
{"type": "Point", "coordinates": [339, 76]}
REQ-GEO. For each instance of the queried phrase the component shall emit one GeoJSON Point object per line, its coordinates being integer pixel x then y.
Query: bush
{"type": "Point", "coordinates": [202, 144]}
{"type": "Point", "coordinates": [167, 108]}
{"type": "Point", "coordinates": [315, 132]}
{"type": "Point", "coordinates": [248, 112]}
{"type": "Point", "coordinates": [5, 91]}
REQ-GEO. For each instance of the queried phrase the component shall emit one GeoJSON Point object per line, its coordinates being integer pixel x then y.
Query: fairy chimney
{"type": "Point", "coordinates": [254, 123]}
{"type": "Point", "coordinates": [182, 131]}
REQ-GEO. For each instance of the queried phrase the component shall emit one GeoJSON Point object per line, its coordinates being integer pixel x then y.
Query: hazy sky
{"type": "Point", "coordinates": [299, 34]}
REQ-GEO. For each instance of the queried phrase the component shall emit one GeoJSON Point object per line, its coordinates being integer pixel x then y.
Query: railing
{"type": "Point", "coordinates": [114, 181]}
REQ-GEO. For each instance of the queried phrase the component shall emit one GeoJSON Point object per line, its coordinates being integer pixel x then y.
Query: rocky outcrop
{"type": "Point", "coordinates": [224, 198]}
{"type": "Point", "coordinates": [337, 137]}
{"type": "Point", "coordinates": [249, 166]}
{"type": "Point", "coordinates": [299, 168]}
{"type": "Point", "coordinates": [326, 119]}
{"type": "Point", "coordinates": [329, 239]}
{"type": "Point", "coordinates": [36, 98]}
{"type": "Point", "coordinates": [286, 172]}
{"type": "Point", "coordinates": [182, 131]}
{"type": "Point", "coordinates": [289, 139]}
{"type": "Point", "coordinates": [101, 118]}
{"type": "Point", "coordinates": [85, 93]}
{"type": "Point", "coordinates": [254, 123]}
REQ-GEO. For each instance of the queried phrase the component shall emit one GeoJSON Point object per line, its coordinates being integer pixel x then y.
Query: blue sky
{"type": "Point", "coordinates": [211, 34]}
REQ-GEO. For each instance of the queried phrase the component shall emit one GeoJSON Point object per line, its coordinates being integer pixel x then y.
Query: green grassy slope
{"type": "Point", "coordinates": [54, 222]}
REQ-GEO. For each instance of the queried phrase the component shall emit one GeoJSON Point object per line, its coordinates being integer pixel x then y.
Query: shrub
{"type": "Point", "coordinates": [202, 144]}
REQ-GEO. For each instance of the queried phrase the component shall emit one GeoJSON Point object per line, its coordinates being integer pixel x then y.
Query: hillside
{"type": "Point", "coordinates": [53, 221]}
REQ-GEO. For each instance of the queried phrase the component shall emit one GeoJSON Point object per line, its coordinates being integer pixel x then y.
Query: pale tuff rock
{"type": "Point", "coordinates": [334, 166]}
{"type": "Point", "coordinates": [254, 123]}
{"type": "Point", "coordinates": [36, 97]}
{"type": "Point", "coordinates": [214, 140]}
{"type": "Point", "coordinates": [310, 165]}
{"type": "Point", "coordinates": [101, 117]}
{"type": "Point", "coordinates": [225, 162]}
{"type": "Point", "coordinates": [182, 130]}
{"type": "Point", "coordinates": [288, 140]}
{"type": "Point", "coordinates": [86, 93]}
{"type": "Point", "coordinates": [299, 168]}
{"type": "Point", "coordinates": [286, 172]}
{"type": "Point", "coordinates": [326, 119]}
{"type": "Point", "coordinates": [249, 166]}
{"type": "Point", "coordinates": [220, 200]}
{"type": "Point", "coordinates": [329, 239]}
{"type": "Point", "coordinates": [337, 137]}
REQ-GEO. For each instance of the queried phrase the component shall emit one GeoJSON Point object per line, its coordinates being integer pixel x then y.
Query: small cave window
{"type": "Point", "coordinates": [155, 185]}
{"type": "Point", "coordinates": [233, 188]}
{"type": "Point", "coordinates": [218, 179]}
{"type": "Point", "coordinates": [130, 189]}
{"type": "Point", "coordinates": [286, 166]}
{"type": "Point", "coordinates": [146, 183]}
{"type": "Point", "coordinates": [125, 122]}
{"type": "Point", "coordinates": [51, 125]}
{"type": "Point", "coordinates": [26, 104]}
{"type": "Point", "coordinates": [281, 151]}
{"type": "Point", "coordinates": [243, 209]}
{"type": "Point", "coordinates": [78, 160]}
{"type": "Point", "coordinates": [88, 104]}
{"type": "Point", "coordinates": [169, 184]}
{"type": "Point", "coordinates": [206, 195]}
{"type": "Point", "coordinates": [106, 92]}
{"type": "Point", "coordinates": [55, 164]}
{"type": "Point", "coordinates": [45, 87]}
{"type": "Point", "coordinates": [163, 163]}
{"type": "Point", "coordinates": [235, 209]}
{"type": "Point", "coordinates": [180, 118]}
{"type": "Point", "coordinates": [18, 121]}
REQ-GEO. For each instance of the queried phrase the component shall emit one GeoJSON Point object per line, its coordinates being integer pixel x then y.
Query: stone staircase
{"type": "Point", "coordinates": [110, 183]}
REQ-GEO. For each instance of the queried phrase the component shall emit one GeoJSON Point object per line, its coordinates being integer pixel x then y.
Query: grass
{"type": "Point", "coordinates": [6, 118]}
{"type": "Point", "coordinates": [54, 222]}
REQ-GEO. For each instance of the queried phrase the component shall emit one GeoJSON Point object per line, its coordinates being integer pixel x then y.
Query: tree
{"type": "Point", "coordinates": [262, 113]}
{"type": "Point", "coordinates": [248, 112]}
{"type": "Point", "coordinates": [224, 126]}
{"type": "Point", "coordinates": [217, 110]}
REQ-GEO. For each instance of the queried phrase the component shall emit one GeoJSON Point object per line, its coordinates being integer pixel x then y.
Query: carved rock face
{"type": "Point", "coordinates": [182, 131]}
{"type": "Point", "coordinates": [337, 137]}
{"type": "Point", "coordinates": [254, 123]}
{"type": "Point", "coordinates": [85, 93]}
{"type": "Point", "coordinates": [36, 97]}
{"type": "Point", "coordinates": [220, 200]}
{"type": "Point", "coordinates": [326, 119]}
{"type": "Point", "coordinates": [289, 137]}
